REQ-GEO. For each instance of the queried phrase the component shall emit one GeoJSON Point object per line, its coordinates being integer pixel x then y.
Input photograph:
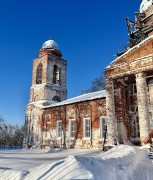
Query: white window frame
{"type": "Point", "coordinates": [103, 126]}
{"type": "Point", "coordinates": [70, 128]}
{"type": "Point", "coordinates": [84, 128]}
{"type": "Point", "coordinates": [58, 133]}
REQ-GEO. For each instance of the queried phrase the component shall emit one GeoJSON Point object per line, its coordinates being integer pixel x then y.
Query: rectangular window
{"type": "Point", "coordinates": [133, 89]}
{"type": "Point", "coordinates": [59, 129]}
{"type": "Point", "coordinates": [103, 126]}
{"type": "Point", "coordinates": [137, 127]}
{"type": "Point", "coordinates": [72, 128]}
{"type": "Point", "coordinates": [87, 127]}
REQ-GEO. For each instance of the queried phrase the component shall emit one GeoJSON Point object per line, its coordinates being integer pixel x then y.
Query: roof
{"type": "Point", "coordinates": [130, 50]}
{"type": "Point", "coordinates": [50, 44]}
{"type": "Point", "coordinates": [84, 97]}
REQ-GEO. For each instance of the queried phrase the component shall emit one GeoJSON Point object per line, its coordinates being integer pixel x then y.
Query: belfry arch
{"type": "Point", "coordinates": [56, 75]}
{"type": "Point", "coordinates": [39, 74]}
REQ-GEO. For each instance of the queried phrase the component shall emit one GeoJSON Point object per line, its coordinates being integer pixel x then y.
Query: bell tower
{"type": "Point", "coordinates": [48, 87]}
{"type": "Point", "coordinates": [49, 75]}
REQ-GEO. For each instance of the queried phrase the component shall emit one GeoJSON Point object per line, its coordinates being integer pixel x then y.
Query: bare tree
{"type": "Point", "coordinates": [2, 131]}
{"type": "Point", "coordinates": [96, 85]}
{"type": "Point", "coordinates": [10, 135]}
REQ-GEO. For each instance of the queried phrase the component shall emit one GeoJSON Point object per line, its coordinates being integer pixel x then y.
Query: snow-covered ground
{"type": "Point", "coordinates": [120, 163]}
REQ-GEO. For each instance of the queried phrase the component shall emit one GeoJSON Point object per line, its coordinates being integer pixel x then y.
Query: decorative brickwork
{"type": "Point", "coordinates": [76, 112]}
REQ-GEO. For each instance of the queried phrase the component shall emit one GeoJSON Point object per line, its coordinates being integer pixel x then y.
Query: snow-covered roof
{"type": "Point", "coordinates": [130, 50]}
{"type": "Point", "coordinates": [50, 44]}
{"type": "Point", "coordinates": [145, 4]}
{"type": "Point", "coordinates": [39, 104]}
{"type": "Point", "coordinates": [84, 97]}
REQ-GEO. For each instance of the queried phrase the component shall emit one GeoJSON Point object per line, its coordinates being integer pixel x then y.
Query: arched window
{"type": "Point", "coordinates": [39, 74]}
{"type": "Point", "coordinates": [36, 98]}
{"type": "Point", "coordinates": [56, 75]}
{"type": "Point", "coordinates": [56, 99]}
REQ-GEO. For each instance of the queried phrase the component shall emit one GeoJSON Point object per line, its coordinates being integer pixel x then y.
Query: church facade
{"type": "Point", "coordinates": [122, 113]}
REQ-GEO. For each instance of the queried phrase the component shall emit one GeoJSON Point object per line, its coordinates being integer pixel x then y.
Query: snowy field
{"type": "Point", "coordinates": [123, 162]}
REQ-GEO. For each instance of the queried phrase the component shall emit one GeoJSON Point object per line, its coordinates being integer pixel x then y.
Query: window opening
{"type": "Point", "coordinates": [87, 128]}
{"type": "Point", "coordinates": [72, 128]}
{"type": "Point", "coordinates": [56, 75]}
{"type": "Point", "coordinates": [56, 99]}
{"type": "Point", "coordinates": [39, 74]}
{"type": "Point", "coordinates": [59, 128]}
{"type": "Point", "coordinates": [133, 89]}
{"type": "Point", "coordinates": [137, 123]}
{"type": "Point", "coordinates": [103, 126]}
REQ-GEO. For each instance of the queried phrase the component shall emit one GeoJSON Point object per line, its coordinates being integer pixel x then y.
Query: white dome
{"type": "Point", "coordinates": [50, 44]}
{"type": "Point", "coordinates": [145, 4]}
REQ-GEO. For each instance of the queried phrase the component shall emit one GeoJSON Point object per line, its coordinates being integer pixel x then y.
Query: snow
{"type": "Point", "coordinates": [81, 98]}
{"type": "Point", "coordinates": [147, 146]}
{"type": "Point", "coordinates": [145, 5]}
{"type": "Point", "coordinates": [50, 44]}
{"type": "Point", "coordinates": [84, 97]}
{"type": "Point", "coordinates": [121, 162]}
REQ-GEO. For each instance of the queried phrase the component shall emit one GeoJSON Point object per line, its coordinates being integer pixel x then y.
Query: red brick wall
{"type": "Point", "coordinates": [78, 111]}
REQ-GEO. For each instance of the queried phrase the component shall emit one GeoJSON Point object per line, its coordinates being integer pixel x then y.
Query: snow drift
{"type": "Point", "coordinates": [121, 162]}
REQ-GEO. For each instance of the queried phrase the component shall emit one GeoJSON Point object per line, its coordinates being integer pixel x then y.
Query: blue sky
{"type": "Point", "coordinates": [88, 32]}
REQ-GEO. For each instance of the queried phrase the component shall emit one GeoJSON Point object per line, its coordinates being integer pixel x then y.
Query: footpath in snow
{"type": "Point", "coordinates": [122, 162]}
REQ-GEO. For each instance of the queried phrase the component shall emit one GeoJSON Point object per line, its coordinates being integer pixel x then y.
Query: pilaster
{"type": "Point", "coordinates": [151, 101]}
{"type": "Point", "coordinates": [121, 110]}
{"type": "Point", "coordinates": [143, 109]}
{"type": "Point", "coordinates": [110, 110]}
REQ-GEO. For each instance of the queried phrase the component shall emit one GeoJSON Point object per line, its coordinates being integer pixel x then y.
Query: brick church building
{"type": "Point", "coordinates": [125, 107]}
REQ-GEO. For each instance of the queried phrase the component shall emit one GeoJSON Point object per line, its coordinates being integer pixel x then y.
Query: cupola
{"type": "Point", "coordinates": [50, 47]}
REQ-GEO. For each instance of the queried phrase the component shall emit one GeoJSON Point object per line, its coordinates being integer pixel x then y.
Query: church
{"type": "Point", "coordinates": [120, 114]}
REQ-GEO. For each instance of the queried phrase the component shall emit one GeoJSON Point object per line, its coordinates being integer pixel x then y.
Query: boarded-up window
{"type": "Point", "coordinates": [59, 129]}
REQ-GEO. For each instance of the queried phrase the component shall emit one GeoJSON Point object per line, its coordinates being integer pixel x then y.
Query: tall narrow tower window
{"type": "Point", "coordinates": [56, 75]}
{"type": "Point", "coordinates": [39, 74]}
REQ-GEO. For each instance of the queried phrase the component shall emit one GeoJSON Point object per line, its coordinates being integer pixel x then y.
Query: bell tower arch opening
{"type": "Point", "coordinates": [49, 75]}
{"type": "Point", "coordinates": [56, 75]}
{"type": "Point", "coordinates": [39, 74]}
{"type": "Point", "coordinates": [48, 87]}
{"type": "Point", "coordinates": [56, 99]}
